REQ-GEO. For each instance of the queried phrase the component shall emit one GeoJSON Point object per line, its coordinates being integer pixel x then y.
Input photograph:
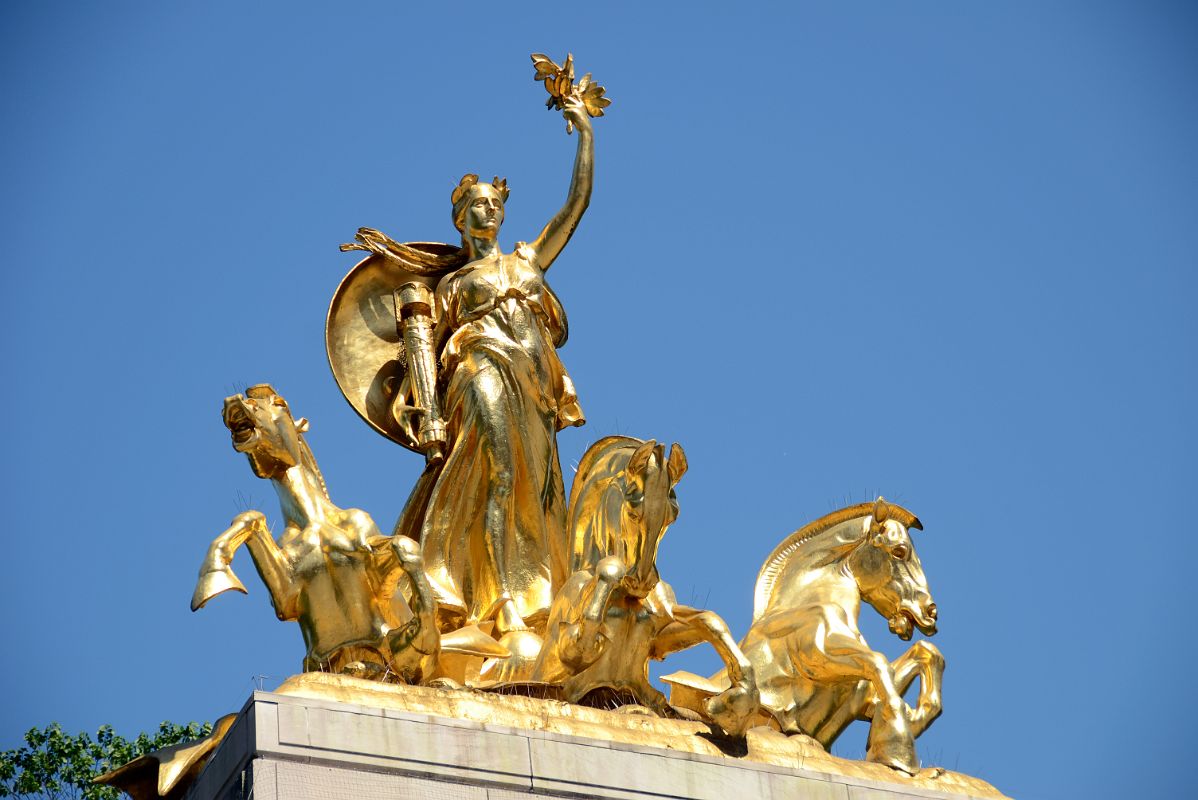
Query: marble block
{"type": "Point", "coordinates": [322, 737]}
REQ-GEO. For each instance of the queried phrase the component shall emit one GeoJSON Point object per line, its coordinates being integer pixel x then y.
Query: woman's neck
{"type": "Point", "coordinates": [479, 247]}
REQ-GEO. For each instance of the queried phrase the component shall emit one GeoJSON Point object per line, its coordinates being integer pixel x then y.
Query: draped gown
{"type": "Point", "coordinates": [492, 516]}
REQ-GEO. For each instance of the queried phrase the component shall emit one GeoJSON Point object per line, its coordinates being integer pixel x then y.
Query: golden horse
{"type": "Point", "coordinates": [814, 669]}
{"type": "Point", "coordinates": [611, 611]}
{"type": "Point", "coordinates": [332, 570]}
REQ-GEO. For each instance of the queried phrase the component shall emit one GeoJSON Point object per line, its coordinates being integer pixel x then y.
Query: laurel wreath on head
{"type": "Point", "coordinates": [559, 82]}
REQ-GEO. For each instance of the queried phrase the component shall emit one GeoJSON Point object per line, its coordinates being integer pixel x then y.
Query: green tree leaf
{"type": "Point", "coordinates": [54, 765]}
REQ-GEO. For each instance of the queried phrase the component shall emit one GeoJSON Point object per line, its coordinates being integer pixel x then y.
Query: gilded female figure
{"type": "Point", "coordinates": [490, 514]}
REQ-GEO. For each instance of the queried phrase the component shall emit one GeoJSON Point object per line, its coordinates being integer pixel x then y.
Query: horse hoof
{"type": "Point", "coordinates": [902, 762]}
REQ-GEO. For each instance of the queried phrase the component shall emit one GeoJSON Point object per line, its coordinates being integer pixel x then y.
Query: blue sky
{"type": "Point", "coordinates": [943, 252]}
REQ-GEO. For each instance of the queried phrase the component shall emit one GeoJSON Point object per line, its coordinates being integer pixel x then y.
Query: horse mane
{"type": "Point", "coordinates": [780, 557]}
{"type": "Point", "coordinates": [309, 463]}
{"type": "Point", "coordinates": [602, 448]}
{"type": "Point", "coordinates": [599, 468]}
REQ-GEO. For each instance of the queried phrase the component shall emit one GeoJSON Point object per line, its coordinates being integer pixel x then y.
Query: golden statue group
{"type": "Point", "coordinates": [491, 580]}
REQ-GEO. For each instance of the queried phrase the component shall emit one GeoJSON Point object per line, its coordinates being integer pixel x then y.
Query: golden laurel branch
{"type": "Point", "coordinates": [559, 82]}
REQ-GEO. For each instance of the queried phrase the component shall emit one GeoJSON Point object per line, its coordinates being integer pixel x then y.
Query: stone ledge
{"type": "Point", "coordinates": [432, 743]}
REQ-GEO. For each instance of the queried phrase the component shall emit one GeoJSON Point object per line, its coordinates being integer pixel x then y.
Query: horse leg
{"type": "Point", "coordinates": [216, 573]}
{"type": "Point", "coordinates": [415, 645]}
{"type": "Point", "coordinates": [922, 660]}
{"type": "Point", "coordinates": [735, 707]}
{"type": "Point", "coordinates": [653, 699]}
{"type": "Point", "coordinates": [890, 739]}
{"type": "Point", "coordinates": [275, 570]}
{"type": "Point", "coordinates": [582, 643]}
{"type": "Point", "coordinates": [842, 708]}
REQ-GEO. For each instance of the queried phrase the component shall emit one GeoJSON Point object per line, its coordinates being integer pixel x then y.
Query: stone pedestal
{"type": "Point", "coordinates": [331, 738]}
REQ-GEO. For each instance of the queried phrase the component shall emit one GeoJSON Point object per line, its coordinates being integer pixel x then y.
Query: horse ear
{"type": "Point", "coordinates": [638, 464]}
{"type": "Point", "coordinates": [881, 510]}
{"type": "Point", "coordinates": [302, 425]}
{"type": "Point", "coordinates": [677, 464]}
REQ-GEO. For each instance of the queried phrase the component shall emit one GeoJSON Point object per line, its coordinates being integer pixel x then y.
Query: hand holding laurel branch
{"type": "Point", "coordinates": [571, 98]}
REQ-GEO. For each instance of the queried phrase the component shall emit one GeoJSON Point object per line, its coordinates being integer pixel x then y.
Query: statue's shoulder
{"type": "Point", "coordinates": [525, 252]}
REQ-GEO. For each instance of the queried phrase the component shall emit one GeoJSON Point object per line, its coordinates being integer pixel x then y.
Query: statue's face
{"type": "Point", "coordinates": [484, 213]}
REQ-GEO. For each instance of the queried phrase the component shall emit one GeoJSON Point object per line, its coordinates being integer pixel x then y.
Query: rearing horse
{"type": "Point", "coordinates": [814, 669]}
{"type": "Point", "coordinates": [332, 570]}
{"type": "Point", "coordinates": [612, 612]}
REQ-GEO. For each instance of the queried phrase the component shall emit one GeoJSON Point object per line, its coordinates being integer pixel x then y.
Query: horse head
{"type": "Point", "coordinates": [262, 427]}
{"type": "Point", "coordinates": [888, 572]}
{"type": "Point", "coordinates": [649, 507]}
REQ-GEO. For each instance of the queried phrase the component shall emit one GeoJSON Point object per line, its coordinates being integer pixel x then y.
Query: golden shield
{"type": "Point", "coordinates": [363, 340]}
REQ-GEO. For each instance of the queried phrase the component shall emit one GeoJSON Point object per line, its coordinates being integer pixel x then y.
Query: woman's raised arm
{"type": "Point", "coordinates": [559, 229]}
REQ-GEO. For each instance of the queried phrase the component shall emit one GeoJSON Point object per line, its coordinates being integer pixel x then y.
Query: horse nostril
{"type": "Point", "coordinates": [932, 610]}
